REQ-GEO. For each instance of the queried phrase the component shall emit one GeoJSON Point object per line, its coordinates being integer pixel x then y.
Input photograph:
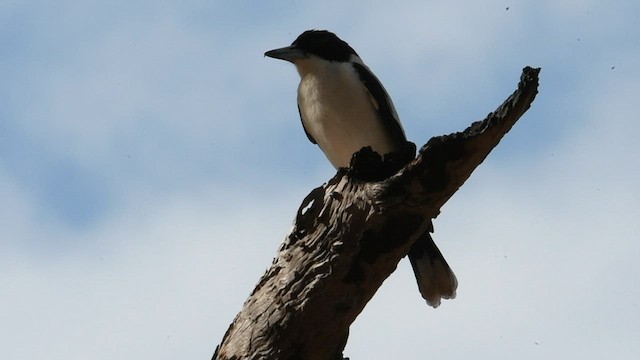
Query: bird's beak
{"type": "Point", "coordinates": [289, 53]}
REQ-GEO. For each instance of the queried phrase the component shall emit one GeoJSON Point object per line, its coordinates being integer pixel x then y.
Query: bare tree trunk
{"type": "Point", "coordinates": [349, 236]}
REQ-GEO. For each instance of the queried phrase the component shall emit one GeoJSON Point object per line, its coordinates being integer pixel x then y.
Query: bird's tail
{"type": "Point", "coordinates": [435, 278]}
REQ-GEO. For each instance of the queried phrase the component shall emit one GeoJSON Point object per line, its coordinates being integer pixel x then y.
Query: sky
{"type": "Point", "coordinates": [152, 160]}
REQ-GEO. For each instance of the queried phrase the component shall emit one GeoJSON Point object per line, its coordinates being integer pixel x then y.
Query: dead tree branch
{"type": "Point", "coordinates": [349, 236]}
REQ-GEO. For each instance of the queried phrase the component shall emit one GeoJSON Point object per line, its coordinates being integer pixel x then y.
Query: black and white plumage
{"type": "Point", "coordinates": [342, 105]}
{"type": "Point", "coordinates": [343, 108]}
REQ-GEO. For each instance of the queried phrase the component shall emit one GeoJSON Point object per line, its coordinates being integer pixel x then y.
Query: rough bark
{"type": "Point", "coordinates": [349, 236]}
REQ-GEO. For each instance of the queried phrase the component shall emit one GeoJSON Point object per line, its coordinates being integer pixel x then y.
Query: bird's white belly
{"type": "Point", "coordinates": [341, 119]}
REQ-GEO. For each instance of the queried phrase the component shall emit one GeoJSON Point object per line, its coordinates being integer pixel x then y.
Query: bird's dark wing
{"type": "Point", "coordinates": [382, 103]}
{"type": "Point", "coordinates": [305, 129]}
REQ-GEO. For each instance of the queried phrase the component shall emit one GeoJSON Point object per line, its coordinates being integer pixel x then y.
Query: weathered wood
{"type": "Point", "coordinates": [349, 236]}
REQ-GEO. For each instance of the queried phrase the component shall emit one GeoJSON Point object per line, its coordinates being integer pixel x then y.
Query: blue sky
{"type": "Point", "coordinates": [151, 161]}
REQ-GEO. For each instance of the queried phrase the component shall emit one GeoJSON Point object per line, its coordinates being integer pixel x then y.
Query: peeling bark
{"type": "Point", "coordinates": [349, 236]}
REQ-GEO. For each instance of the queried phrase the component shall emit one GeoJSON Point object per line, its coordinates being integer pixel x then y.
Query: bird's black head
{"type": "Point", "coordinates": [324, 44]}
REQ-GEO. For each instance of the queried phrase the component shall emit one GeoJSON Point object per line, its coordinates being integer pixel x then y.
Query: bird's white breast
{"type": "Point", "coordinates": [337, 111]}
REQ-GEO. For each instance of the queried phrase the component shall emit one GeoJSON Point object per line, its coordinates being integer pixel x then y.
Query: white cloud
{"type": "Point", "coordinates": [170, 273]}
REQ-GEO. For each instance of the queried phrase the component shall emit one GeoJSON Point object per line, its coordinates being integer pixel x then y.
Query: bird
{"type": "Point", "coordinates": [344, 108]}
